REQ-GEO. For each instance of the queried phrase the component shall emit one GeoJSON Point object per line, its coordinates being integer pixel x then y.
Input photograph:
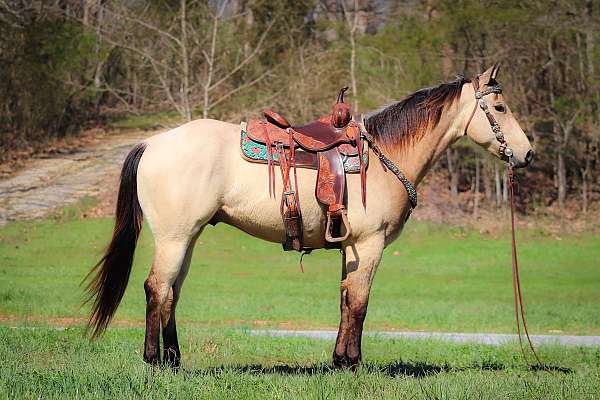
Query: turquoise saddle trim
{"type": "Point", "coordinates": [258, 151]}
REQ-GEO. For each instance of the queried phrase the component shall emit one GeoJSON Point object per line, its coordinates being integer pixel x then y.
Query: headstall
{"type": "Point", "coordinates": [480, 101]}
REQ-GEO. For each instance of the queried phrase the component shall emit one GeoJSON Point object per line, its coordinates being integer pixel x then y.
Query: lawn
{"type": "Point", "coordinates": [44, 363]}
{"type": "Point", "coordinates": [433, 278]}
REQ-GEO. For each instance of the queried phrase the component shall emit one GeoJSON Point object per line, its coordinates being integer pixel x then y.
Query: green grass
{"type": "Point", "coordinates": [43, 363]}
{"type": "Point", "coordinates": [153, 120]}
{"type": "Point", "coordinates": [433, 278]}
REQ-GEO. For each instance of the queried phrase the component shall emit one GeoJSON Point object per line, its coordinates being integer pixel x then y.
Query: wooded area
{"type": "Point", "coordinates": [67, 64]}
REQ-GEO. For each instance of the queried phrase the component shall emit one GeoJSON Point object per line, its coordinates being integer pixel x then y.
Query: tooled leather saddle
{"type": "Point", "coordinates": [332, 145]}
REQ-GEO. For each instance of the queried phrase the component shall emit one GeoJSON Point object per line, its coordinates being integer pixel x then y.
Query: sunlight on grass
{"type": "Point", "coordinates": [433, 278]}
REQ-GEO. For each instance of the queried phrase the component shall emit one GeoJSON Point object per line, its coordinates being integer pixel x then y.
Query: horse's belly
{"type": "Point", "coordinates": [247, 204]}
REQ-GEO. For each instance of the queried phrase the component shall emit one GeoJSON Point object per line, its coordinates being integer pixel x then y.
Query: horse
{"type": "Point", "coordinates": [194, 175]}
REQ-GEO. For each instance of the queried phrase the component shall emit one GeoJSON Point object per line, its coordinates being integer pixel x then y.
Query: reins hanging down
{"type": "Point", "coordinates": [517, 293]}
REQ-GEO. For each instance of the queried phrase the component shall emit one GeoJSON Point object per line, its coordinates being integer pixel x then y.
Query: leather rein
{"type": "Point", "coordinates": [507, 153]}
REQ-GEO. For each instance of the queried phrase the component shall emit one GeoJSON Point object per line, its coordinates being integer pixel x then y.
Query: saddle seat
{"type": "Point", "coordinates": [318, 135]}
{"type": "Point", "coordinates": [325, 144]}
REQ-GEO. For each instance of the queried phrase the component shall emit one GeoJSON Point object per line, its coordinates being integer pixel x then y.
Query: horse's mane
{"type": "Point", "coordinates": [410, 118]}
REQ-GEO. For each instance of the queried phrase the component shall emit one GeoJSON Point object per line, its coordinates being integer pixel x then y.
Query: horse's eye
{"type": "Point", "coordinates": [500, 108]}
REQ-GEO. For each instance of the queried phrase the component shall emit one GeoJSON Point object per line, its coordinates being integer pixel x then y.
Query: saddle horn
{"type": "Point", "coordinates": [341, 115]}
{"type": "Point", "coordinates": [340, 98]}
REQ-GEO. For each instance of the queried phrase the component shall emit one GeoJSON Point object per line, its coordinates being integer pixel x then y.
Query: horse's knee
{"type": "Point", "coordinates": [157, 290]}
{"type": "Point", "coordinates": [356, 302]}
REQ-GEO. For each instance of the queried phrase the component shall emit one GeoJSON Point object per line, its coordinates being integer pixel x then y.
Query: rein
{"type": "Point", "coordinates": [517, 293]}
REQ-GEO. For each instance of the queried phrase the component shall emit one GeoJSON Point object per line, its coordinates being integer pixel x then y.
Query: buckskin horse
{"type": "Point", "coordinates": [194, 175]}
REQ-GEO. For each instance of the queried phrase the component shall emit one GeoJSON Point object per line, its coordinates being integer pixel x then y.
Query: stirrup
{"type": "Point", "coordinates": [345, 223]}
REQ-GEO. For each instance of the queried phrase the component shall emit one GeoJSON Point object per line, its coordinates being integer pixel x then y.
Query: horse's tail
{"type": "Point", "coordinates": [108, 285]}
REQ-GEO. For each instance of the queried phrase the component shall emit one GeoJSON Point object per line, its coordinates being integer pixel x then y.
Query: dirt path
{"type": "Point", "coordinates": [484, 338]}
{"type": "Point", "coordinates": [49, 183]}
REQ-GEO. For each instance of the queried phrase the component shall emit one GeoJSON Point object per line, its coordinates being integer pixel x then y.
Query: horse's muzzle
{"type": "Point", "coordinates": [522, 164]}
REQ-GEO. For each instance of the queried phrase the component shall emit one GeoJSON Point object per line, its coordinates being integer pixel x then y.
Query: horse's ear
{"type": "Point", "coordinates": [490, 74]}
{"type": "Point", "coordinates": [495, 69]}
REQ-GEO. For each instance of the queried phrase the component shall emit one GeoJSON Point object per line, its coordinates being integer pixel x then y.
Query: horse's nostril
{"type": "Point", "coordinates": [529, 156]}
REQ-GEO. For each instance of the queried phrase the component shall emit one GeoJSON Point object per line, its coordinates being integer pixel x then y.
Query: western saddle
{"type": "Point", "coordinates": [332, 144]}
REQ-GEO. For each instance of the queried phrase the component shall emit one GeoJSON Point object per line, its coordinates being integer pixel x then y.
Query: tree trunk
{"type": "Point", "coordinates": [210, 61]}
{"type": "Point", "coordinates": [504, 188]}
{"type": "Point", "coordinates": [476, 186]}
{"type": "Point", "coordinates": [498, 185]}
{"type": "Point", "coordinates": [99, 63]}
{"type": "Point", "coordinates": [185, 66]}
{"type": "Point", "coordinates": [584, 190]}
{"type": "Point", "coordinates": [562, 178]}
{"type": "Point", "coordinates": [453, 176]}
{"type": "Point", "coordinates": [487, 181]}
{"type": "Point", "coordinates": [353, 26]}
{"type": "Point", "coordinates": [586, 171]}
{"type": "Point", "coordinates": [353, 70]}
{"type": "Point", "coordinates": [249, 20]}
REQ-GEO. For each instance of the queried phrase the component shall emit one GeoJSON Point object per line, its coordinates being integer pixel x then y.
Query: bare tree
{"type": "Point", "coordinates": [352, 26]}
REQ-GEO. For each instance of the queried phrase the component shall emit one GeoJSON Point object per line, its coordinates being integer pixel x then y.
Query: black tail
{"type": "Point", "coordinates": [112, 272]}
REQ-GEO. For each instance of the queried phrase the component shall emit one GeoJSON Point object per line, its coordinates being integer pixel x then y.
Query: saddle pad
{"type": "Point", "coordinates": [257, 129]}
{"type": "Point", "coordinates": [257, 152]}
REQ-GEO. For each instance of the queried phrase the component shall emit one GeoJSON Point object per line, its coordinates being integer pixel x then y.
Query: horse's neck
{"type": "Point", "coordinates": [416, 161]}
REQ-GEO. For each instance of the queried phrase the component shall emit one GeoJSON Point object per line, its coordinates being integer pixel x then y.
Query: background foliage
{"type": "Point", "coordinates": [69, 64]}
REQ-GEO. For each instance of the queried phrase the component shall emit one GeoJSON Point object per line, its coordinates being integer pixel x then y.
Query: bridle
{"type": "Point", "coordinates": [505, 151]}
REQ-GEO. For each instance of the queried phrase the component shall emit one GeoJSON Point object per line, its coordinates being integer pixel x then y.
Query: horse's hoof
{"type": "Point", "coordinates": [353, 361]}
{"type": "Point", "coordinates": [340, 361]}
{"type": "Point", "coordinates": [153, 360]}
{"type": "Point", "coordinates": [172, 360]}
{"type": "Point", "coordinates": [346, 362]}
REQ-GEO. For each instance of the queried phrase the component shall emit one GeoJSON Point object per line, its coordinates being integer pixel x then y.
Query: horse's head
{"type": "Point", "coordinates": [493, 126]}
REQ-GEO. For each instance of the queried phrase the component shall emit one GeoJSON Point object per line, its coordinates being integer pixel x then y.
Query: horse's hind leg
{"type": "Point", "coordinates": [171, 352]}
{"type": "Point", "coordinates": [169, 256]}
{"type": "Point", "coordinates": [358, 270]}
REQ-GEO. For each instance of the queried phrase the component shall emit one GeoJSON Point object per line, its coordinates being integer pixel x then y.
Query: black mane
{"type": "Point", "coordinates": [411, 117]}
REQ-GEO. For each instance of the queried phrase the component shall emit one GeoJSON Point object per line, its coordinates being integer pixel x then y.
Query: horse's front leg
{"type": "Point", "coordinates": [359, 265]}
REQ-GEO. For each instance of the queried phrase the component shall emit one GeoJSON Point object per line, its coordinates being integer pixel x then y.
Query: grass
{"type": "Point", "coordinates": [433, 278]}
{"type": "Point", "coordinates": [45, 363]}
{"type": "Point", "coordinates": [145, 121]}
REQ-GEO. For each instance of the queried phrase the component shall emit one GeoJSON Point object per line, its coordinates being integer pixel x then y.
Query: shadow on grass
{"type": "Point", "coordinates": [398, 368]}
{"type": "Point", "coordinates": [417, 369]}
{"type": "Point", "coordinates": [551, 368]}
